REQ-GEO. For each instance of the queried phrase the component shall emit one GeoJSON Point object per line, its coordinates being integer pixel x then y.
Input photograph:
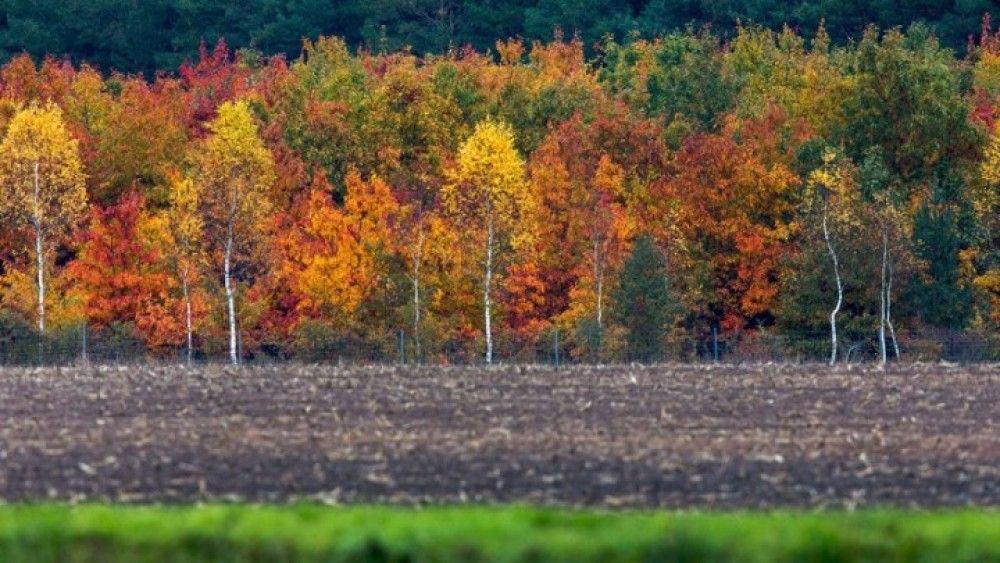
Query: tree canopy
{"type": "Point", "coordinates": [156, 35]}
{"type": "Point", "coordinates": [352, 202]}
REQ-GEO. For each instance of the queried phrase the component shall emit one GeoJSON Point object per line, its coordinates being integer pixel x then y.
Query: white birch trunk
{"type": "Point", "coordinates": [418, 256]}
{"type": "Point", "coordinates": [188, 322]}
{"type": "Point", "coordinates": [840, 289]}
{"type": "Point", "coordinates": [39, 251]}
{"type": "Point", "coordinates": [888, 313]}
{"type": "Point", "coordinates": [883, 312]}
{"type": "Point", "coordinates": [487, 286]}
{"type": "Point", "coordinates": [40, 267]}
{"type": "Point", "coordinates": [599, 283]}
{"type": "Point", "coordinates": [230, 301]}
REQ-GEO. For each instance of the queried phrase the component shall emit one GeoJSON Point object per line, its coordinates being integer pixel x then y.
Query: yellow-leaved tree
{"type": "Point", "coordinates": [986, 202]}
{"type": "Point", "coordinates": [233, 172]}
{"type": "Point", "coordinates": [486, 193]}
{"type": "Point", "coordinates": [41, 183]}
{"type": "Point", "coordinates": [832, 189]}
{"type": "Point", "coordinates": [186, 249]}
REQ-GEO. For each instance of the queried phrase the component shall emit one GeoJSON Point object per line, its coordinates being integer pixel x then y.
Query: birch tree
{"type": "Point", "coordinates": [233, 171]}
{"type": "Point", "coordinates": [419, 225]}
{"type": "Point", "coordinates": [41, 184]}
{"type": "Point", "coordinates": [416, 263]}
{"type": "Point", "coordinates": [605, 228]}
{"type": "Point", "coordinates": [427, 246]}
{"type": "Point", "coordinates": [885, 214]}
{"type": "Point", "coordinates": [186, 249]}
{"type": "Point", "coordinates": [832, 188]}
{"type": "Point", "coordinates": [894, 233]}
{"type": "Point", "coordinates": [487, 194]}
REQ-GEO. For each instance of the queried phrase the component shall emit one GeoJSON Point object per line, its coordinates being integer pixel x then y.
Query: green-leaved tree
{"type": "Point", "coordinates": [643, 302]}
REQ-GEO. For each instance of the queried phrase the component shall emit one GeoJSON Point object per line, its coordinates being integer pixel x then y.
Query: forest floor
{"type": "Point", "coordinates": [667, 436]}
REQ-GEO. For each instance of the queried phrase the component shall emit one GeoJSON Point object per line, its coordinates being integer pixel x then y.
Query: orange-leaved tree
{"type": "Point", "coordinates": [115, 270]}
{"type": "Point", "coordinates": [732, 209]}
{"type": "Point", "coordinates": [338, 248]}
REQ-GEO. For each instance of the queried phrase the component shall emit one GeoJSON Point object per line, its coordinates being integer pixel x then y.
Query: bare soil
{"type": "Point", "coordinates": [668, 436]}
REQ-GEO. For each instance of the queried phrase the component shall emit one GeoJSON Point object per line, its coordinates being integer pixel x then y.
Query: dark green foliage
{"type": "Point", "coordinates": [909, 105]}
{"type": "Point", "coordinates": [159, 34]}
{"type": "Point", "coordinates": [17, 338]}
{"type": "Point", "coordinates": [685, 82]}
{"type": "Point", "coordinates": [809, 293]}
{"type": "Point", "coordinates": [906, 125]}
{"type": "Point", "coordinates": [22, 345]}
{"type": "Point", "coordinates": [643, 301]}
{"type": "Point", "coordinates": [942, 300]}
{"type": "Point", "coordinates": [590, 20]}
{"type": "Point", "coordinates": [589, 339]}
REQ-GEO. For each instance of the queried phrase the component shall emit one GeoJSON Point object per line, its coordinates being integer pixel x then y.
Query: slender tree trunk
{"type": "Point", "coordinates": [888, 313]}
{"type": "Point", "coordinates": [188, 322]}
{"type": "Point", "coordinates": [883, 291]}
{"type": "Point", "coordinates": [39, 251]}
{"type": "Point", "coordinates": [230, 300]}
{"type": "Point", "coordinates": [599, 283]}
{"type": "Point", "coordinates": [418, 256]}
{"type": "Point", "coordinates": [84, 354]}
{"type": "Point", "coordinates": [40, 267]}
{"type": "Point", "coordinates": [487, 286]}
{"type": "Point", "coordinates": [599, 286]}
{"type": "Point", "coordinates": [840, 288]}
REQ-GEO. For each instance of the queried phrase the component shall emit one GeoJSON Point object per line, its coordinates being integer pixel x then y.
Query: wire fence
{"type": "Point", "coordinates": [116, 347]}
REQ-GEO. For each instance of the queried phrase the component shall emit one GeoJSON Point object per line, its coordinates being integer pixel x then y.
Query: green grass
{"type": "Point", "coordinates": [224, 533]}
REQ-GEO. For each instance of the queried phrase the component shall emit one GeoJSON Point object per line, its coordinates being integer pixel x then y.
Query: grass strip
{"type": "Point", "coordinates": [307, 533]}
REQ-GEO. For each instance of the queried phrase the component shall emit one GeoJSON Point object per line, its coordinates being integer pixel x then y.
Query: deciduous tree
{"type": "Point", "coordinates": [233, 171]}
{"type": "Point", "coordinates": [41, 183]}
{"type": "Point", "coordinates": [115, 271]}
{"type": "Point", "coordinates": [487, 193]}
{"type": "Point", "coordinates": [732, 210]}
{"type": "Point", "coordinates": [186, 250]}
{"type": "Point", "coordinates": [832, 188]}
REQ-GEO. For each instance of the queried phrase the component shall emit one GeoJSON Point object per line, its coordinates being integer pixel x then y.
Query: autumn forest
{"type": "Point", "coordinates": [612, 201]}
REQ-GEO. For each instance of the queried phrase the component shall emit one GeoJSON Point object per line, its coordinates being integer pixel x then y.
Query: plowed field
{"type": "Point", "coordinates": [668, 436]}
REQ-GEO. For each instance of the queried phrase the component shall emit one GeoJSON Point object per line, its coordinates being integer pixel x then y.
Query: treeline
{"type": "Point", "coordinates": [685, 186]}
{"type": "Point", "coordinates": [152, 35]}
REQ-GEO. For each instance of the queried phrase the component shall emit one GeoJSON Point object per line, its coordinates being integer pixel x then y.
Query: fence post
{"type": "Point", "coordinates": [715, 343]}
{"type": "Point", "coordinates": [83, 343]}
{"type": "Point", "coordinates": [555, 346]}
{"type": "Point", "coordinates": [402, 347]}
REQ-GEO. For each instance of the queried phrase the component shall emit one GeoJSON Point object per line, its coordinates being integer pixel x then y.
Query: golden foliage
{"type": "Point", "coordinates": [233, 172]}
{"type": "Point", "coordinates": [487, 184]}
{"type": "Point", "coordinates": [41, 177]}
